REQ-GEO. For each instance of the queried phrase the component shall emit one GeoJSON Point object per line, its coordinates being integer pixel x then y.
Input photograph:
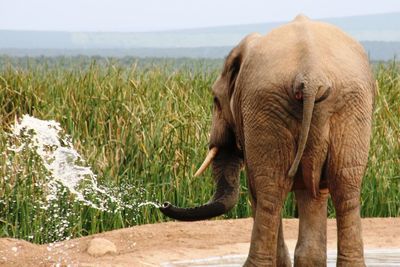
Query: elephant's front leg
{"type": "Point", "coordinates": [283, 256]}
{"type": "Point", "coordinates": [311, 243]}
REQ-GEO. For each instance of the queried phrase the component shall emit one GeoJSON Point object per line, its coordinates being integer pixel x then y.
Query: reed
{"type": "Point", "coordinates": [142, 126]}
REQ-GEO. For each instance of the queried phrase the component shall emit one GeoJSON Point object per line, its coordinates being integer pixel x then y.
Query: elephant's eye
{"type": "Point", "coordinates": [216, 103]}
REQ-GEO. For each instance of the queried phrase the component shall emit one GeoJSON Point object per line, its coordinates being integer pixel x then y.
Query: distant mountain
{"type": "Point", "coordinates": [376, 51]}
{"type": "Point", "coordinates": [380, 31]}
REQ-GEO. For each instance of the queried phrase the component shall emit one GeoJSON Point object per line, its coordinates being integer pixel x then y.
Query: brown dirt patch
{"type": "Point", "coordinates": [153, 244]}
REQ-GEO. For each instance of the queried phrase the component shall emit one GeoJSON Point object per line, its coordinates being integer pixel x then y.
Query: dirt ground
{"type": "Point", "coordinates": [152, 245]}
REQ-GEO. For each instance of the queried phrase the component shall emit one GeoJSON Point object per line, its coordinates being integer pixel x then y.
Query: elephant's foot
{"type": "Point", "coordinates": [350, 244]}
{"type": "Point", "coordinates": [283, 257]}
{"type": "Point", "coordinates": [350, 262]}
{"type": "Point", "coordinates": [309, 256]}
{"type": "Point", "coordinates": [256, 262]}
{"type": "Point", "coordinates": [310, 252]}
{"type": "Point", "coordinates": [303, 261]}
{"type": "Point", "coordinates": [284, 261]}
{"type": "Point", "coordinates": [250, 263]}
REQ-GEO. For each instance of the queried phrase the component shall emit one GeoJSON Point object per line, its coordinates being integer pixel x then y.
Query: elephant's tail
{"type": "Point", "coordinates": [311, 89]}
{"type": "Point", "coordinates": [308, 107]}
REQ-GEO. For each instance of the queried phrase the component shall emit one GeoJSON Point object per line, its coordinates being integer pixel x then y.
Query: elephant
{"type": "Point", "coordinates": [294, 108]}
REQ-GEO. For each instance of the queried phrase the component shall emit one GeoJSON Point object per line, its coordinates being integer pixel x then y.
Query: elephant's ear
{"type": "Point", "coordinates": [232, 68]}
{"type": "Point", "coordinates": [234, 62]}
{"type": "Point", "coordinates": [229, 75]}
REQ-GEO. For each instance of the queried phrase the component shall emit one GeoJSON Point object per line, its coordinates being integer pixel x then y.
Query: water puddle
{"type": "Point", "coordinates": [373, 257]}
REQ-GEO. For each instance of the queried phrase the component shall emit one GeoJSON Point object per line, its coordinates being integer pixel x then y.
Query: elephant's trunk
{"type": "Point", "coordinates": [226, 167]}
{"type": "Point", "coordinates": [308, 107]}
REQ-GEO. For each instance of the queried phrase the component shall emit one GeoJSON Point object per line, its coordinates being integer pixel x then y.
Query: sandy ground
{"type": "Point", "coordinates": [152, 245]}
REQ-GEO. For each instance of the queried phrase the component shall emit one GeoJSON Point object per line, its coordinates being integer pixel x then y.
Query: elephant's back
{"type": "Point", "coordinates": [304, 43]}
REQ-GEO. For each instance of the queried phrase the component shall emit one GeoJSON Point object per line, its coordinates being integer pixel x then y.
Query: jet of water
{"type": "Point", "coordinates": [65, 165]}
{"type": "Point", "coordinates": [149, 203]}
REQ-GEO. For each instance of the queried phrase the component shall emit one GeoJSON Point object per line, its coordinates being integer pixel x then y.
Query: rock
{"type": "Point", "coordinates": [99, 247]}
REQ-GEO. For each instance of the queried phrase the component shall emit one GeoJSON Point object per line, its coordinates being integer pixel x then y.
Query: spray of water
{"type": "Point", "coordinates": [68, 172]}
{"type": "Point", "coordinates": [149, 203]}
{"type": "Point", "coordinates": [65, 165]}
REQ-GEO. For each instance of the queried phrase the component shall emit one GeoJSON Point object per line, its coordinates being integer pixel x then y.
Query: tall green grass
{"type": "Point", "coordinates": [143, 129]}
{"type": "Point", "coordinates": [381, 185]}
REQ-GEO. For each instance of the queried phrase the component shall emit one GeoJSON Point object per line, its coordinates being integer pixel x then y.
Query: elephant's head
{"type": "Point", "coordinates": [225, 152]}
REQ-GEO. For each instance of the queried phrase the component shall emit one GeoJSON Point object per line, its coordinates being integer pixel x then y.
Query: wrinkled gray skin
{"type": "Point", "coordinates": [300, 95]}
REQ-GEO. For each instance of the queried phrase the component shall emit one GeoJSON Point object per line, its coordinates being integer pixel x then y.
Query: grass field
{"type": "Point", "coordinates": [143, 128]}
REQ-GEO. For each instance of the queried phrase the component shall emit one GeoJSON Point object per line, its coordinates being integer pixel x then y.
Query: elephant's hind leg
{"type": "Point", "coordinates": [347, 160]}
{"type": "Point", "coordinates": [269, 149]}
{"type": "Point", "coordinates": [346, 199]}
{"type": "Point", "coordinates": [265, 234]}
{"type": "Point", "coordinates": [311, 243]}
{"type": "Point", "coordinates": [283, 256]}
{"type": "Point", "coordinates": [271, 187]}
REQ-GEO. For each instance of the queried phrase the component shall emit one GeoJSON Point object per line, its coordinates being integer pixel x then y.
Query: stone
{"type": "Point", "coordinates": [100, 246]}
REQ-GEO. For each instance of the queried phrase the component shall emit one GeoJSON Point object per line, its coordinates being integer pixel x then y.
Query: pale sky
{"type": "Point", "coordinates": [157, 15]}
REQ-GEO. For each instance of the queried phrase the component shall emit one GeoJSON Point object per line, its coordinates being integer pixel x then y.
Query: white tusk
{"type": "Point", "coordinates": [210, 156]}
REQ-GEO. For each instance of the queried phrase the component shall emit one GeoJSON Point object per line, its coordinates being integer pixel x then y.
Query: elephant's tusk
{"type": "Point", "coordinates": [210, 156]}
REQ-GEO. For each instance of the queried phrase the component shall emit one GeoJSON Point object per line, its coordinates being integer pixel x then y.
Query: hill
{"type": "Point", "coordinates": [380, 34]}
{"type": "Point", "coordinates": [377, 51]}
